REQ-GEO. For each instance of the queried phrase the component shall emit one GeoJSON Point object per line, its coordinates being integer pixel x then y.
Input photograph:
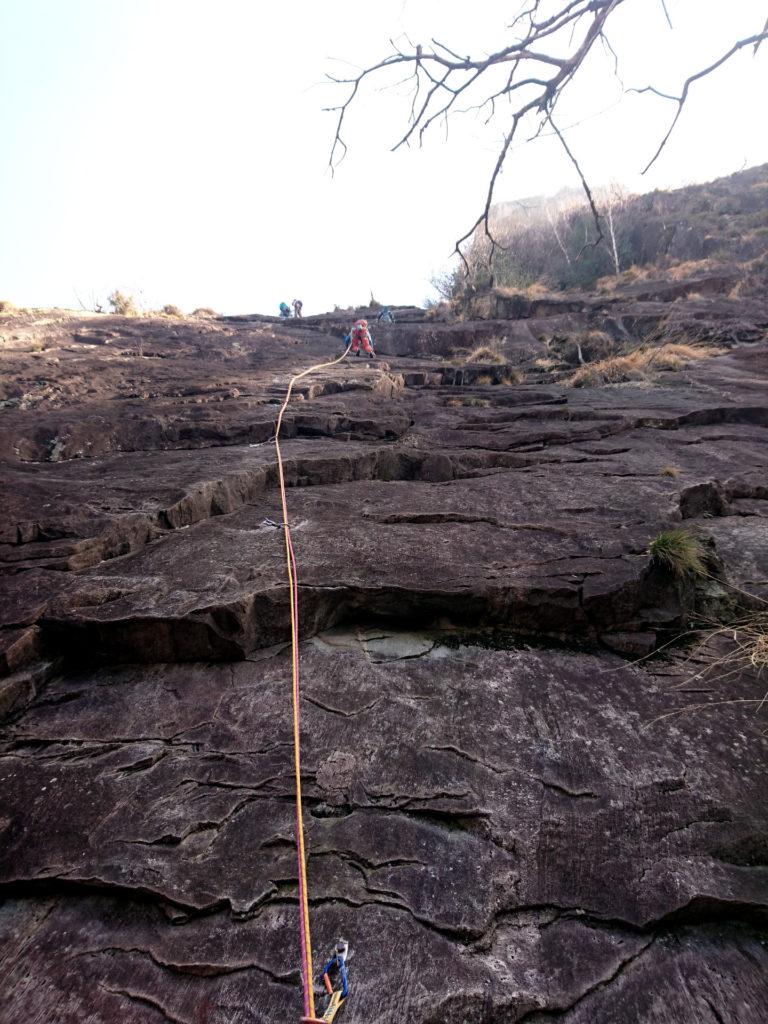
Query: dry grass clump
{"type": "Point", "coordinates": [204, 311]}
{"type": "Point", "coordinates": [478, 403]}
{"type": "Point", "coordinates": [678, 553]}
{"type": "Point", "coordinates": [628, 276]}
{"type": "Point", "coordinates": [638, 365]}
{"type": "Point", "coordinates": [596, 337]}
{"type": "Point", "coordinates": [673, 354]}
{"type": "Point", "coordinates": [7, 307]}
{"type": "Point", "coordinates": [689, 268]}
{"type": "Point", "coordinates": [488, 353]}
{"type": "Point", "coordinates": [513, 375]}
{"type": "Point", "coordinates": [751, 638]}
{"type": "Point", "coordinates": [123, 305]}
{"type": "Point", "coordinates": [616, 370]}
{"type": "Point", "coordinates": [754, 280]}
{"type": "Point", "coordinates": [738, 648]}
{"type": "Point", "coordinates": [536, 290]}
{"type": "Point", "coordinates": [438, 311]}
{"type": "Point", "coordinates": [669, 471]}
{"type": "Point", "coordinates": [171, 310]}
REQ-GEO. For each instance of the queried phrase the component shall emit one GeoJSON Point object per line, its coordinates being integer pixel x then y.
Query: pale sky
{"type": "Point", "coordinates": [177, 149]}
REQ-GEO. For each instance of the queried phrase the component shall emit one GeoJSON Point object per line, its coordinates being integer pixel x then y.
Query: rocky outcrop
{"type": "Point", "coordinates": [499, 817]}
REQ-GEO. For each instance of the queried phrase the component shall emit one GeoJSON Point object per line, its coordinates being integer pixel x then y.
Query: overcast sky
{"type": "Point", "coordinates": [178, 149]}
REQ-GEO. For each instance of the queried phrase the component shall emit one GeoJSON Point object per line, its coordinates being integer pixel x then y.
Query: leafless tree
{"type": "Point", "coordinates": [614, 201]}
{"type": "Point", "coordinates": [553, 219]}
{"type": "Point", "coordinates": [550, 41]}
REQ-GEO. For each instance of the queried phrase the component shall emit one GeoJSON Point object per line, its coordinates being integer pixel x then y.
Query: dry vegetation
{"type": "Point", "coordinates": [122, 305]}
{"type": "Point", "coordinates": [639, 365]}
{"type": "Point", "coordinates": [535, 290]}
{"type": "Point", "coordinates": [728, 651]}
{"type": "Point", "coordinates": [542, 252]}
{"type": "Point", "coordinates": [490, 352]}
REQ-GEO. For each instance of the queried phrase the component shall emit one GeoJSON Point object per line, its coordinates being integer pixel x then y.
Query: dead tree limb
{"type": "Point", "coordinates": [680, 100]}
{"type": "Point", "coordinates": [550, 42]}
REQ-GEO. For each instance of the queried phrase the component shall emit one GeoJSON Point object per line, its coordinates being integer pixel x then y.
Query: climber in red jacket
{"type": "Point", "coordinates": [360, 335]}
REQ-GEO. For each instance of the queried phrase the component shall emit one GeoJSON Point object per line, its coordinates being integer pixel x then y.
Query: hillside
{"type": "Point", "coordinates": [513, 812]}
{"type": "Point", "coordinates": [546, 242]}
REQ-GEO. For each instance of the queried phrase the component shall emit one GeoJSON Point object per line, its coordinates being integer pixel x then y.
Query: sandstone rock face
{"type": "Point", "coordinates": [499, 818]}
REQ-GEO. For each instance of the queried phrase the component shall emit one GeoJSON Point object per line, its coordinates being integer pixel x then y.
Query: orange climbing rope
{"type": "Point", "coordinates": [293, 588]}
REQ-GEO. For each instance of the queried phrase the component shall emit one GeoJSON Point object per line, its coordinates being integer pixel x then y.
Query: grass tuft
{"type": "Point", "coordinates": [639, 365]}
{"type": "Point", "coordinates": [678, 553]}
{"type": "Point", "coordinates": [669, 471]}
{"type": "Point", "coordinates": [490, 353]}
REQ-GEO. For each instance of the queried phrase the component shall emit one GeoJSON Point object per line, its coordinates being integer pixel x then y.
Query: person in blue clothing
{"type": "Point", "coordinates": [285, 309]}
{"type": "Point", "coordinates": [385, 316]}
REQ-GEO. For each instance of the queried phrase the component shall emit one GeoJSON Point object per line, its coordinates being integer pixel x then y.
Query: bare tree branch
{"type": "Point", "coordinates": [585, 186]}
{"type": "Point", "coordinates": [763, 35]}
{"type": "Point", "coordinates": [680, 100]}
{"type": "Point", "coordinates": [551, 41]}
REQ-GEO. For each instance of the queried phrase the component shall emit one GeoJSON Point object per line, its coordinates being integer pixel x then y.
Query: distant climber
{"type": "Point", "coordinates": [285, 309]}
{"type": "Point", "coordinates": [360, 335]}
{"type": "Point", "coordinates": [297, 307]}
{"type": "Point", "coordinates": [385, 316]}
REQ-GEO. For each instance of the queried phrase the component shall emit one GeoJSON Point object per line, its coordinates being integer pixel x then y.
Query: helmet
{"type": "Point", "coordinates": [361, 323]}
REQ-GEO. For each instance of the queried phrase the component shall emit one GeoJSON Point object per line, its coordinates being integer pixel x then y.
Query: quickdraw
{"type": "Point", "coordinates": [336, 967]}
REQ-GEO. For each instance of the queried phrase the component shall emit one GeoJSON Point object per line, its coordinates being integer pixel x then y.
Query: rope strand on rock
{"type": "Point", "coordinates": [293, 589]}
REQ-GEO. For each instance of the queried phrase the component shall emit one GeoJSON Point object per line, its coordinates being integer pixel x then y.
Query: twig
{"type": "Point", "coordinates": [680, 100]}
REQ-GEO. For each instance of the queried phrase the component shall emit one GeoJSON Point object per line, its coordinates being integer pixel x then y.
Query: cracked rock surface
{"type": "Point", "coordinates": [499, 818]}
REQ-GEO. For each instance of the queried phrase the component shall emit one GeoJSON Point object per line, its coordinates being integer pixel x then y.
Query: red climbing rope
{"type": "Point", "coordinates": [293, 589]}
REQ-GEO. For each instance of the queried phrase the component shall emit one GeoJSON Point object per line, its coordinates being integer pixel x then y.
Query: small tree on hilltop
{"type": "Point", "coordinates": [122, 305]}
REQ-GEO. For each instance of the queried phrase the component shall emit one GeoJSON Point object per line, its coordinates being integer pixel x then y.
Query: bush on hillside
{"type": "Point", "coordinates": [122, 305]}
{"type": "Point", "coordinates": [552, 242]}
